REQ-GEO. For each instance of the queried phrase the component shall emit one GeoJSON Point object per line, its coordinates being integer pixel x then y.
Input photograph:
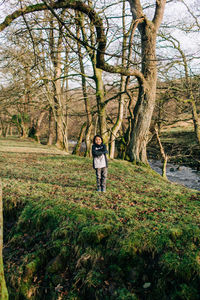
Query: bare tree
{"type": "Point", "coordinates": [185, 89]}
{"type": "Point", "coordinates": [146, 77]}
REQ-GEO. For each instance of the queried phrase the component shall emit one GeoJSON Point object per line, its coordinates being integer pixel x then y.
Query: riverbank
{"type": "Point", "coordinates": [183, 156]}
{"type": "Point", "coordinates": [179, 145]}
{"type": "Point", "coordinates": [63, 240]}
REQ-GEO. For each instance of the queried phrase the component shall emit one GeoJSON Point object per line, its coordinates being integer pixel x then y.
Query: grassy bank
{"type": "Point", "coordinates": [63, 240]}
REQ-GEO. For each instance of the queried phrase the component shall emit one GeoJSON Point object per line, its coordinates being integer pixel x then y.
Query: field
{"type": "Point", "coordinates": [64, 240]}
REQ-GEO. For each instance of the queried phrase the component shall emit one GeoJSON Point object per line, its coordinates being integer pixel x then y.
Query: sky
{"type": "Point", "coordinates": [175, 12]}
{"type": "Point", "coordinates": [179, 12]}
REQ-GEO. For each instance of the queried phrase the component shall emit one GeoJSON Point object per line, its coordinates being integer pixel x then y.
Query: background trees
{"type": "Point", "coordinates": [103, 57]}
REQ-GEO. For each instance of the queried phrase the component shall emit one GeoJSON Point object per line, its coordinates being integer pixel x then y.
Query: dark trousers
{"type": "Point", "coordinates": [101, 174]}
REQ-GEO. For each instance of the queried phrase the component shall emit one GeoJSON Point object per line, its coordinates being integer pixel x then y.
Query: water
{"type": "Point", "coordinates": [179, 174]}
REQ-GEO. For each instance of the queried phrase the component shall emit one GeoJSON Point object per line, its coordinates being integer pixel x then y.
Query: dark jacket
{"type": "Point", "coordinates": [98, 150]}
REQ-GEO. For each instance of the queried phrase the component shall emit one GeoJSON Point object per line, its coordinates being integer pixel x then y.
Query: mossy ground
{"type": "Point", "coordinates": [64, 240]}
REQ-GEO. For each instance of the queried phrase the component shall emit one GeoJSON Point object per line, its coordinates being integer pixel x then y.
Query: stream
{"type": "Point", "coordinates": [179, 174]}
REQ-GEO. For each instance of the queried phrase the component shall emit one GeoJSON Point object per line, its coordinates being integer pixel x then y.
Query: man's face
{"type": "Point", "coordinates": [98, 140]}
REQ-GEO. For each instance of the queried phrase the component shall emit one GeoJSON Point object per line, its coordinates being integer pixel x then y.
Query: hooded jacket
{"type": "Point", "coordinates": [99, 152]}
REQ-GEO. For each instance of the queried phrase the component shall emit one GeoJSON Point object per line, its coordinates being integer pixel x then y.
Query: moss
{"type": "Point", "coordinates": [27, 291]}
{"type": "Point", "coordinates": [95, 233]}
{"type": "Point", "coordinates": [187, 292]}
{"type": "Point", "coordinates": [55, 265]}
{"type": "Point", "coordinates": [32, 267]}
{"type": "Point", "coordinates": [175, 233]}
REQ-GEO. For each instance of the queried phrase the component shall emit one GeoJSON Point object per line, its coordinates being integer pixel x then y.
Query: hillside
{"type": "Point", "coordinates": [63, 240]}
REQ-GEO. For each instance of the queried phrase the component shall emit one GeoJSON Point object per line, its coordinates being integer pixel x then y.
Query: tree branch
{"type": "Point", "coordinates": [95, 19]}
{"type": "Point", "coordinates": [136, 9]}
{"type": "Point", "coordinates": [158, 16]}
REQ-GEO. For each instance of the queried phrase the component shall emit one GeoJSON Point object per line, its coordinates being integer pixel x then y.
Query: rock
{"type": "Point", "coordinates": [179, 168]}
{"type": "Point", "coordinates": [146, 285]}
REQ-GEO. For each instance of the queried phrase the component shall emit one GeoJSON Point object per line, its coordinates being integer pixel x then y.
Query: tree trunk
{"type": "Point", "coordinates": [88, 140]}
{"type": "Point", "coordinates": [59, 104]}
{"type": "Point", "coordinates": [59, 109]}
{"type": "Point", "coordinates": [24, 129]}
{"type": "Point", "coordinates": [79, 141]}
{"type": "Point", "coordinates": [101, 108]}
{"type": "Point", "coordinates": [96, 125]}
{"type": "Point", "coordinates": [84, 89]}
{"type": "Point", "coordinates": [25, 124]}
{"type": "Point", "coordinates": [118, 122]}
{"type": "Point", "coordinates": [141, 123]}
{"type": "Point", "coordinates": [147, 88]}
{"type": "Point", "coordinates": [11, 130]}
{"type": "Point", "coordinates": [3, 288]}
{"type": "Point", "coordinates": [100, 104]}
{"type": "Point", "coordinates": [59, 129]}
{"type": "Point", "coordinates": [8, 129]}
{"type": "Point", "coordinates": [146, 98]}
{"type": "Point", "coordinates": [164, 156]}
{"type": "Point", "coordinates": [51, 128]}
{"type": "Point", "coordinates": [39, 121]}
{"type": "Point", "coordinates": [3, 129]}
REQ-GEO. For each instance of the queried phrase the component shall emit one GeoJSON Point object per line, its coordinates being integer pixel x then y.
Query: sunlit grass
{"type": "Point", "coordinates": [141, 237]}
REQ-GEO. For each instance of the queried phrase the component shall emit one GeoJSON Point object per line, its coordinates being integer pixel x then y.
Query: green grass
{"type": "Point", "coordinates": [63, 240]}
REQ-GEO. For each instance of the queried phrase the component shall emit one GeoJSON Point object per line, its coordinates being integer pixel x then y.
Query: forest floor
{"type": "Point", "coordinates": [64, 240]}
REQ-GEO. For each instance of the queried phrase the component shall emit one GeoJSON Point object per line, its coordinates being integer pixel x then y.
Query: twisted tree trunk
{"type": "Point", "coordinates": [147, 89]}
